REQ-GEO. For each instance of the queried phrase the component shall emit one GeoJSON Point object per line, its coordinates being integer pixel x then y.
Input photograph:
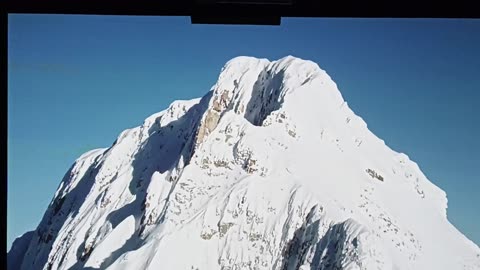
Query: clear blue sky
{"type": "Point", "coordinates": [75, 82]}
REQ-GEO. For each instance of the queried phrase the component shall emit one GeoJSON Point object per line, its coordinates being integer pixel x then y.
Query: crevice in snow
{"type": "Point", "coordinates": [267, 96]}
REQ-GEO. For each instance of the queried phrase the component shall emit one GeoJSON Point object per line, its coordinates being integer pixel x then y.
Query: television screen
{"type": "Point", "coordinates": [139, 142]}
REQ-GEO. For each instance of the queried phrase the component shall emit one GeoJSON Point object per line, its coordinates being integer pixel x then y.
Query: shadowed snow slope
{"type": "Point", "coordinates": [269, 170]}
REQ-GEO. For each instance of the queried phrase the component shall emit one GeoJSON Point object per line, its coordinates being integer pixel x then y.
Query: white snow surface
{"type": "Point", "coordinates": [269, 170]}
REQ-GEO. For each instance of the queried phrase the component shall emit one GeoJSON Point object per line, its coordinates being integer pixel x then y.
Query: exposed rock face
{"type": "Point", "coordinates": [269, 170]}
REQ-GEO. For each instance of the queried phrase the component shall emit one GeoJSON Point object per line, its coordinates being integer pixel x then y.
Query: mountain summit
{"type": "Point", "coordinates": [271, 169]}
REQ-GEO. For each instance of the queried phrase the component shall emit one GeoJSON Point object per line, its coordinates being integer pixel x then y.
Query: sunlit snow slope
{"type": "Point", "coordinates": [269, 170]}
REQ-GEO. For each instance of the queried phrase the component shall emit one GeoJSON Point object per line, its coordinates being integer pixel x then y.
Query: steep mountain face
{"type": "Point", "coordinates": [269, 170]}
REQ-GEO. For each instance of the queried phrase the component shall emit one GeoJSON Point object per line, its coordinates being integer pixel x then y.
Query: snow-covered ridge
{"type": "Point", "coordinates": [269, 170]}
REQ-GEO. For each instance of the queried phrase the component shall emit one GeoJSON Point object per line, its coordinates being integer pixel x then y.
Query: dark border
{"type": "Point", "coordinates": [212, 8]}
{"type": "Point", "coordinates": [3, 79]}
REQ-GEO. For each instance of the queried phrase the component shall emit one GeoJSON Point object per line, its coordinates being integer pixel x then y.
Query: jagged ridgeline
{"type": "Point", "coordinates": [270, 169]}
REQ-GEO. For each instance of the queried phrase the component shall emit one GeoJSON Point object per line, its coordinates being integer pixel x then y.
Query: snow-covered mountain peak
{"type": "Point", "coordinates": [255, 87]}
{"type": "Point", "coordinates": [269, 170]}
